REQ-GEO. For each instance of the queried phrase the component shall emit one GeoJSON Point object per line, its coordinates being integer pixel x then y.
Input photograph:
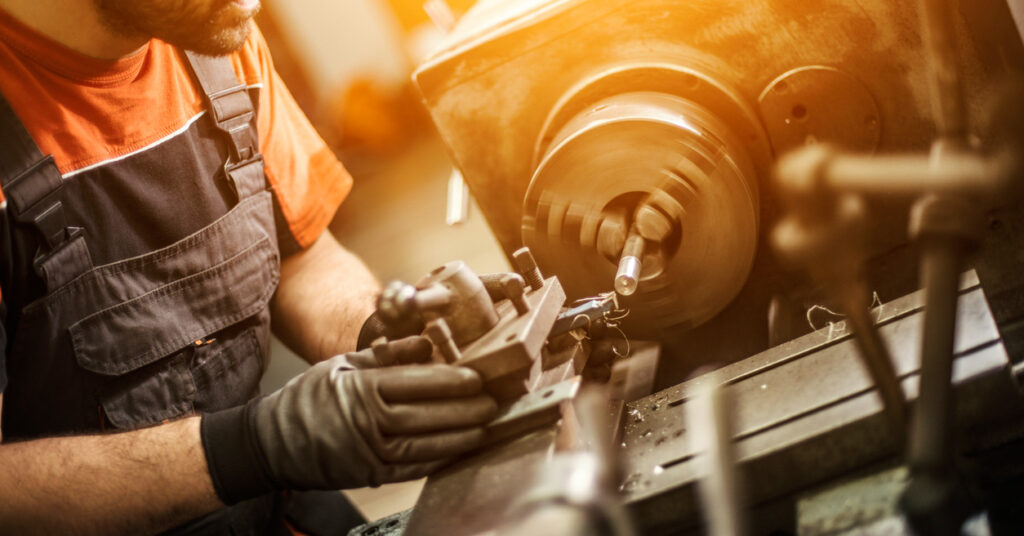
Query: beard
{"type": "Point", "coordinates": [212, 27]}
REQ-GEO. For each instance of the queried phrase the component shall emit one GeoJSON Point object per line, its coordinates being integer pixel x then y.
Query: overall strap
{"type": "Point", "coordinates": [32, 186]}
{"type": "Point", "coordinates": [232, 112]}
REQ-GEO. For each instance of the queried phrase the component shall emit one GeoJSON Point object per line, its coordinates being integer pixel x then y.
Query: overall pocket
{"type": "Point", "coordinates": [146, 346]}
{"type": "Point", "coordinates": [227, 368]}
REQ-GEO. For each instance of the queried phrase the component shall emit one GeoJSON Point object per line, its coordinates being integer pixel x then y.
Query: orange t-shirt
{"type": "Point", "coordinates": [88, 112]}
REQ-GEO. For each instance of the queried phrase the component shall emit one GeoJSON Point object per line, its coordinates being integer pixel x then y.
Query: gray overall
{"type": "Point", "coordinates": [180, 330]}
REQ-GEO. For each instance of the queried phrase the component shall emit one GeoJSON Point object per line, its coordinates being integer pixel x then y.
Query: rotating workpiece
{"type": "Point", "coordinates": [653, 194]}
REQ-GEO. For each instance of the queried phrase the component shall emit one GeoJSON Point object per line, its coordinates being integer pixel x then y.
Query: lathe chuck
{"type": "Point", "coordinates": [658, 166]}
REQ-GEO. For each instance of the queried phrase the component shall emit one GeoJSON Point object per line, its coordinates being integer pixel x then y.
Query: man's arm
{"type": "Point", "coordinates": [326, 294]}
{"type": "Point", "coordinates": [136, 482]}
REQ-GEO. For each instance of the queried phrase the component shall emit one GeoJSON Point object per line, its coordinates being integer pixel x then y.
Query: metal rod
{"type": "Point", "coordinates": [876, 357]}
{"type": "Point", "coordinates": [709, 414]}
{"type": "Point", "coordinates": [526, 265]}
{"type": "Point", "coordinates": [440, 334]}
{"type": "Point", "coordinates": [931, 435]}
{"type": "Point", "coordinates": [941, 259]}
{"type": "Point", "coordinates": [944, 69]}
{"type": "Point", "coordinates": [908, 176]}
{"type": "Point", "coordinates": [956, 173]}
{"type": "Point", "coordinates": [627, 278]}
{"type": "Point", "coordinates": [934, 501]}
{"type": "Point", "coordinates": [930, 501]}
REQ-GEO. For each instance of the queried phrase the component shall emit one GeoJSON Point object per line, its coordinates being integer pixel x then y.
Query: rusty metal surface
{"type": "Point", "coordinates": [516, 341]}
{"type": "Point", "coordinates": [532, 410]}
{"type": "Point", "coordinates": [496, 325]}
{"type": "Point", "coordinates": [469, 311]}
{"type": "Point", "coordinates": [555, 367]}
{"type": "Point", "coordinates": [470, 496]}
{"type": "Point", "coordinates": [806, 411]}
{"type": "Point", "coordinates": [633, 378]}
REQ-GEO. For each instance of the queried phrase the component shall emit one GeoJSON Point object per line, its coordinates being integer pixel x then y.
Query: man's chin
{"type": "Point", "coordinates": [213, 27]}
{"type": "Point", "coordinates": [220, 43]}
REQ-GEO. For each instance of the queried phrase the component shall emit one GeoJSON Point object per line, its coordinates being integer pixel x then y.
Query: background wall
{"type": "Point", "coordinates": [340, 40]}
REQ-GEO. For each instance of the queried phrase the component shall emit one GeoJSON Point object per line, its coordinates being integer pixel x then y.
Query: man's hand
{"type": "Point", "coordinates": [333, 427]}
{"type": "Point", "coordinates": [407, 351]}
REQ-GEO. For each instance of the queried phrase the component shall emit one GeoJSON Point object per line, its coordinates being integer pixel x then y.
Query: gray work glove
{"type": "Point", "coordinates": [334, 427]}
{"type": "Point", "coordinates": [407, 351]}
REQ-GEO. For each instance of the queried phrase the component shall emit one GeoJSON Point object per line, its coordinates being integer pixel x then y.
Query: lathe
{"type": "Point", "coordinates": [790, 229]}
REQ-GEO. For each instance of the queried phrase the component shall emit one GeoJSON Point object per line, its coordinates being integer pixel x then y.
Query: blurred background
{"type": "Point", "coordinates": [348, 63]}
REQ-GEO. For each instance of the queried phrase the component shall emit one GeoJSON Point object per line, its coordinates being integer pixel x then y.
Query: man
{"type": "Point", "coordinates": [160, 207]}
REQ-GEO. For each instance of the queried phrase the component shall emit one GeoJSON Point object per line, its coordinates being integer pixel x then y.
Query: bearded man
{"type": "Point", "coordinates": [164, 204]}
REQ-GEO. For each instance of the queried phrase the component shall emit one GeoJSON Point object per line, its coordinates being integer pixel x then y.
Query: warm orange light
{"type": "Point", "coordinates": [410, 13]}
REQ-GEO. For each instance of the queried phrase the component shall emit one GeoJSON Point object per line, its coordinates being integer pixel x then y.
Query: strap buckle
{"type": "Point", "coordinates": [65, 236]}
{"type": "Point", "coordinates": [64, 262]}
{"type": "Point", "coordinates": [35, 198]}
{"type": "Point", "coordinates": [32, 185]}
{"type": "Point", "coordinates": [35, 185]}
{"type": "Point", "coordinates": [245, 184]}
{"type": "Point", "coordinates": [233, 113]}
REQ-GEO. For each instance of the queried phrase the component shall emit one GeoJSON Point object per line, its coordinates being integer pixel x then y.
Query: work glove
{"type": "Point", "coordinates": [375, 327]}
{"type": "Point", "coordinates": [334, 427]}
{"type": "Point", "coordinates": [407, 351]}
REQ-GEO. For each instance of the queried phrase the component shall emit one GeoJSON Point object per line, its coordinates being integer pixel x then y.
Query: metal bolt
{"type": "Point", "coordinates": [526, 265]}
{"type": "Point", "coordinates": [441, 335]}
{"type": "Point", "coordinates": [433, 298]}
{"type": "Point", "coordinates": [515, 290]}
{"type": "Point", "coordinates": [396, 301]}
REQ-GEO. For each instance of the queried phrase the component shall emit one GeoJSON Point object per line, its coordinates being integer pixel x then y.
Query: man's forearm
{"type": "Point", "coordinates": [136, 482]}
{"type": "Point", "coordinates": [326, 293]}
